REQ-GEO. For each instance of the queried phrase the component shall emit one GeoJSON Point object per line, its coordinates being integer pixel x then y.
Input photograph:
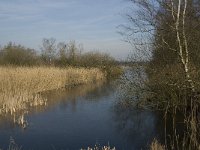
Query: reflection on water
{"type": "Point", "coordinates": [81, 117]}
{"type": "Point", "coordinates": [137, 127]}
{"type": "Point", "coordinates": [65, 96]}
{"type": "Point", "coordinates": [54, 98]}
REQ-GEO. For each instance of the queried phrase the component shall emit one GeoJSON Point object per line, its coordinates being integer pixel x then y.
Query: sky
{"type": "Point", "coordinates": [92, 23]}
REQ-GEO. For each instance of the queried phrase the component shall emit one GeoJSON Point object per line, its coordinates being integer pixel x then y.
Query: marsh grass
{"type": "Point", "coordinates": [21, 87]}
{"type": "Point", "coordinates": [13, 145]}
{"type": "Point", "coordinates": [188, 138]}
{"type": "Point", "coordinates": [155, 145]}
{"type": "Point", "coordinates": [98, 147]}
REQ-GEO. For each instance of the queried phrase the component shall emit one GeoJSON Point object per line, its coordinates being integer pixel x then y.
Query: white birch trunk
{"type": "Point", "coordinates": [182, 42]}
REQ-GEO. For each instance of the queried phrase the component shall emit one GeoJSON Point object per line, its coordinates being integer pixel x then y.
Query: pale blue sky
{"type": "Point", "coordinates": [90, 22]}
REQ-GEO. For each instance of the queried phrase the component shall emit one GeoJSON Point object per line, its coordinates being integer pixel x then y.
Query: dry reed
{"type": "Point", "coordinates": [21, 87]}
{"type": "Point", "coordinates": [155, 145]}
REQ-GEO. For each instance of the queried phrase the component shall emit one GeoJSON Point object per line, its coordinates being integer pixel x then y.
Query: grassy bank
{"type": "Point", "coordinates": [21, 87]}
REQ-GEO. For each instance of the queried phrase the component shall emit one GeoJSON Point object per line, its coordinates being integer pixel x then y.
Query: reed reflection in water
{"type": "Point", "coordinates": [80, 117]}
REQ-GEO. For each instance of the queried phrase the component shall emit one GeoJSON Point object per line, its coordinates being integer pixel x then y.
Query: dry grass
{"type": "Point", "coordinates": [20, 87]}
{"type": "Point", "coordinates": [155, 145]}
{"type": "Point", "coordinates": [98, 147]}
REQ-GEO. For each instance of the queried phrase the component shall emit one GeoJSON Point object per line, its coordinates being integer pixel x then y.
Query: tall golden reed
{"type": "Point", "coordinates": [20, 87]}
{"type": "Point", "coordinates": [155, 145]}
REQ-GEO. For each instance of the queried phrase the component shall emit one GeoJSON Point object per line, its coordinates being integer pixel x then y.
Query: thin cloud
{"type": "Point", "coordinates": [90, 21]}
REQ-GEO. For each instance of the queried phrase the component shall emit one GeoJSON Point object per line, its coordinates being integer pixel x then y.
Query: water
{"type": "Point", "coordinates": [82, 117]}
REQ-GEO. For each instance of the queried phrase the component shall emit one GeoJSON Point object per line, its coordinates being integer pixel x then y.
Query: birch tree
{"type": "Point", "coordinates": [172, 29]}
{"type": "Point", "coordinates": [183, 51]}
{"type": "Point", "coordinates": [169, 28]}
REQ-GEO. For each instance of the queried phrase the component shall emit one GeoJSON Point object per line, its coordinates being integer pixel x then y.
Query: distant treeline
{"type": "Point", "coordinates": [52, 53]}
{"type": "Point", "coordinates": [59, 54]}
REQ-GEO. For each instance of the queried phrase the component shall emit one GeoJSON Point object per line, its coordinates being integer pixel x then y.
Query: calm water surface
{"type": "Point", "coordinates": [82, 117]}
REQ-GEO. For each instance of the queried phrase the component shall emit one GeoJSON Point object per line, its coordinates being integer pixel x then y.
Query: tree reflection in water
{"type": "Point", "coordinates": [138, 127]}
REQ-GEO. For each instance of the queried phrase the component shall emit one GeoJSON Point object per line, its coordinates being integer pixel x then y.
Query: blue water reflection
{"type": "Point", "coordinates": [81, 117]}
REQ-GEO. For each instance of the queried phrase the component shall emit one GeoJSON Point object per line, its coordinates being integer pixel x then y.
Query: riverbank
{"type": "Point", "coordinates": [21, 87]}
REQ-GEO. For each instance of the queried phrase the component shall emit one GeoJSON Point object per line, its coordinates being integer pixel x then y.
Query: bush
{"type": "Point", "coordinates": [17, 55]}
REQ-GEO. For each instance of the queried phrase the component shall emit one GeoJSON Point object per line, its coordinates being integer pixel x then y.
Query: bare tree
{"type": "Point", "coordinates": [62, 54]}
{"type": "Point", "coordinates": [171, 29]}
{"type": "Point", "coordinates": [72, 51]}
{"type": "Point", "coordinates": [49, 49]}
{"type": "Point", "coordinates": [183, 51]}
{"type": "Point", "coordinates": [161, 30]}
{"type": "Point", "coordinates": [62, 50]}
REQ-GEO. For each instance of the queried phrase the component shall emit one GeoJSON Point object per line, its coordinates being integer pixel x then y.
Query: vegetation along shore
{"type": "Point", "coordinates": [166, 33]}
{"type": "Point", "coordinates": [21, 86]}
{"type": "Point", "coordinates": [25, 73]}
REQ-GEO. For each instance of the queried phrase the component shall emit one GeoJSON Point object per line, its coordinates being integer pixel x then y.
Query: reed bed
{"type": "Point", "coordinates": [21, 87]}
{"type": "Point", "coordinates": [155, 145]}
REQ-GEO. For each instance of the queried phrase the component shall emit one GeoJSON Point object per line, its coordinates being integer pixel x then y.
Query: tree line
{"type": "Point", "coordinates": [60, 54]}
{"type": "Point", "coordinates": [167, 32]}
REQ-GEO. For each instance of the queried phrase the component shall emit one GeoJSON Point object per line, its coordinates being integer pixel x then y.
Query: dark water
{"type": "Point", "coordinates": [82, 117]}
